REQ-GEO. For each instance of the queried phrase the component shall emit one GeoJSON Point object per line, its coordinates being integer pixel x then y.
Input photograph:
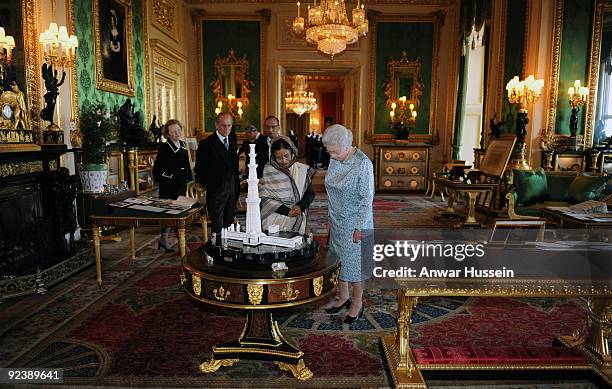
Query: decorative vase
{"type": "Point", "coordinates": [93, 177]}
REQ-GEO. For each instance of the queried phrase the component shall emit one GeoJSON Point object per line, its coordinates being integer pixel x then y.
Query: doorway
{"type": "Point", "coordinates": [301, 126]}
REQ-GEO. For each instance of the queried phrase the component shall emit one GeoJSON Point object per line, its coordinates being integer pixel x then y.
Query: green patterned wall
{"type": "Point", "coordinates": [86, 65]}
{"type": "Point", "coordinates": [417, 39]}
{"type": "Point", "coordinates": [218, 36]}
{"type": "Point", "coordinates": [513, 57]}
{"type": "Point", "coordinates": [573, 63]}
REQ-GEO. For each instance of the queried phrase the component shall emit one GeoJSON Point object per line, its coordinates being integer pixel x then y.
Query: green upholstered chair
{"type": "Point", "coordinates": [536, 189]}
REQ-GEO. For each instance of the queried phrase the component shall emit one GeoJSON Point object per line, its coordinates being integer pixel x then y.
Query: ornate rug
{"type": "Point", "coordinates": [141, 329]}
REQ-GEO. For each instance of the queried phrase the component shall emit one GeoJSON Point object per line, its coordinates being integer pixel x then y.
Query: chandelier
{"type": "Point", "coordinates": [300, 101]}
{"type": "Point", "coordinates": [328, 26]}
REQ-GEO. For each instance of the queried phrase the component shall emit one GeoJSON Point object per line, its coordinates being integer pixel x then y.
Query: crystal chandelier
{"type": "Point", "coordinates": [300, 101]}
{"type": "Point", "coordinates": [328, 26]}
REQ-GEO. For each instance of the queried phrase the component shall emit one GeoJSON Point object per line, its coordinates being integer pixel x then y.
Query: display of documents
{"type": "Point", "coordinates": [157, 205]}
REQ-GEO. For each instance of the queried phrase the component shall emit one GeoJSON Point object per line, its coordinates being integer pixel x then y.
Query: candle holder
{"type": "Point", "coordinates": [522, 92]}
{"type": "Point", "coordinates": [578, 96]}
{"type": "Point", "coordinates": [405, 119]}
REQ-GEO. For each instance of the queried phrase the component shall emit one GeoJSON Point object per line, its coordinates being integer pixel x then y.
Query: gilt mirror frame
{"type": "Point", "coordinates": [600, 9]}
{"type": "Point", "coordinates": [242, 74]}
{"type": "Point", "coordinates": [30, 13]}
{"type": "Point", "coordinates": [397, 68]}
{"type": "Point", "coordinates": [198, 16]}
{"type": "Point", "coordinates": [549, 135]}
{"type": "Point", "coordinates": [437, 19]}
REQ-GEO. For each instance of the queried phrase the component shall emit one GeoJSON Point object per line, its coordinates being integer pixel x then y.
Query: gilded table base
{"type": "Point", "coordinates": [260, 340]}
{"type": "Point", "coordinates": [593, 343]}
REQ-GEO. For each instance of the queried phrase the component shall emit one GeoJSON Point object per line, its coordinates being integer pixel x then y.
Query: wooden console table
{"type": "Point", "coordinates": [134, 219]}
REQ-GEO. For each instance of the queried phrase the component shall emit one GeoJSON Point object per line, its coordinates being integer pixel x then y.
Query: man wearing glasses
{"type": "Point", "coordinates": [271, 130]}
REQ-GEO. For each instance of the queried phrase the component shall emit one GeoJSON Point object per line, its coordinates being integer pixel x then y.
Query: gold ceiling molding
{"type": "Point", "coordinates": [437, 19]}
{"type": "Point", "coordinates": [198, 17]}
{"type": "Point", "coordinates": [164, 13]}
{"type": "Point", "coordinates": [601, 7]}
{"type": "Point", "coordinates": [407, 2]}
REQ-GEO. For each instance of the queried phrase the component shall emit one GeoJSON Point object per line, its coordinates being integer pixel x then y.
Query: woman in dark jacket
{"type": "Point", "coordinates": [171, 169]}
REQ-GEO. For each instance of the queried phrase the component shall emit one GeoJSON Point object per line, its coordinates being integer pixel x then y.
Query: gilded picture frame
{"type": "Point", "coordinates": [113, 43]}
{"type": "Point", "coordinates": [437, 20]}
{"type": "Point", "coordinates": [497, 156]}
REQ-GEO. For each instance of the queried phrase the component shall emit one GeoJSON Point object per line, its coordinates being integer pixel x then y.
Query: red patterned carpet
{"type": "Point", "coordinates": [149, 332]}
{"type": "Point", "coordinates": [141, 329]}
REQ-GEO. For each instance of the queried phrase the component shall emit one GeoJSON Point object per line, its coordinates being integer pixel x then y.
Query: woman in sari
{"type": "Point", "coordinates": [285, 188]}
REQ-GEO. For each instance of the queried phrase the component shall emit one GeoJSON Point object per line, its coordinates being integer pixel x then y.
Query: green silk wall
{"type": "Point", "coordinates": [86, 63]}
{"type": "Point", "coordinates": [574, 58]}
{"type": "Point", "coordinates": [417, 39]}
{"type": "Point", "coordinates": [513, 58]}
{"type": "Point", "coordinates": [218, 37]}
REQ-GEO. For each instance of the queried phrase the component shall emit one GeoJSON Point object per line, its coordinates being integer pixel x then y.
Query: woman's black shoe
{"type": "Point", "coordinates": [160, 245]}
{"type": "Point", "coordinates": [349, 319]}
{"type": "Point", "coordinates": [333, 310]}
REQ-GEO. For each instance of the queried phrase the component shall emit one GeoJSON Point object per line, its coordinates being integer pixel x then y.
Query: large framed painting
{"type": "Point", "coordinates": [112, 21]}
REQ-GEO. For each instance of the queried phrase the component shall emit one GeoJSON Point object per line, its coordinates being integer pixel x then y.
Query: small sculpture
{"type": "Point", "coordinates": [52, 85]}
{"type": "Point", "coordinates": [130, 125]}
{"type": "Point", "coordinates": [521, 126]}
{"type": "Point", "coordinates": [155, 130]}
{"type": "Point", "coordinates": [495, 127]}
{"type": "Point", "coordinates": [573, 122]}
{"type": "Point", "coordinates": [21, 111]}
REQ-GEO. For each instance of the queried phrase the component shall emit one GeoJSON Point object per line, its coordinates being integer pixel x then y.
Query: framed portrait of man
{"type": "Point", "coordinates": [112, 21]}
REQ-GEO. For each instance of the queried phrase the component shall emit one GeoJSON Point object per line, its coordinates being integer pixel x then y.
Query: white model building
{"type": "Point", "coordinates": [254, 236]}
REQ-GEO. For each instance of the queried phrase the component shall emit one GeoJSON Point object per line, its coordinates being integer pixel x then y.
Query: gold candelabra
{"type": "Point", "coordinates": [404, 107]}
{"type": "Point", "coordinates": [578, 95]}
{"type": "Point", "coordinates": [234, 106]}
{"type": "Point", "coordinates": [522, 93]}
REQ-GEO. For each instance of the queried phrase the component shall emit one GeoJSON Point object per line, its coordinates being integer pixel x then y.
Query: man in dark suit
{"type": "Point", "coordinates": [217, 169]}
{"type": "Point", "coordinates": [262, 145]}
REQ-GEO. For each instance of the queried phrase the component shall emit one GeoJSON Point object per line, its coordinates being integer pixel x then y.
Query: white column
{"type": "Point", "coordinates": [253, 216]}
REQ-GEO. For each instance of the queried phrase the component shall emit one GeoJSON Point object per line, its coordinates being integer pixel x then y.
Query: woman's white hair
{"type": "Point", "coordinates": [338, 135]}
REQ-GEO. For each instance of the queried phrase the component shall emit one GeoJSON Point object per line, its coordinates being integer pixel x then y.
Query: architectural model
{"type": "Point", "coordinates": [253, 235]}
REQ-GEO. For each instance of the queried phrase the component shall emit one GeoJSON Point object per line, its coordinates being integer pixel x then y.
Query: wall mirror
{"type": "Point", "coordinates": [404, 79]}
{"type": "Point", "coordinates": [232, 78]}
{"type": "Point", "coordinates": [601, 72]}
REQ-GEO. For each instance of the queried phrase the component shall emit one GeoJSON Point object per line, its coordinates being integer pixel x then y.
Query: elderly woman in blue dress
{"type": "Point", "coordinates": [349, 182]}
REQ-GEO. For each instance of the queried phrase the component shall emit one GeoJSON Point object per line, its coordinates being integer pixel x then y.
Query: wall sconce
{"type": "Point", "coordinates": [523, 92]}
{"type": "Point", "coordinates": [578, 95]}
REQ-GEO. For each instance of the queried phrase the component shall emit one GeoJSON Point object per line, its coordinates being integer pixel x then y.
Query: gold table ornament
{"type": "Point", "coordinates": [258, 291]}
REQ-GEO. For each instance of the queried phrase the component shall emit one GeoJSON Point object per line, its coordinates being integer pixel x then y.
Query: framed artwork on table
{"type": "Point", "coordinates": [497, 156]}
{"type": "Point", "coordinates": [569, 163]}
{"type": "Point", "coordinates": [112, 26]}
{"type": "Point", "coordinates": [192, 147]}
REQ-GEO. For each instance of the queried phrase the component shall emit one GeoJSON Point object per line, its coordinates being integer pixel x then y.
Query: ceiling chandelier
{"type": "Point", "coordinates": [300, 101]}
{"type": "Point", "coordinates": [328, 26]}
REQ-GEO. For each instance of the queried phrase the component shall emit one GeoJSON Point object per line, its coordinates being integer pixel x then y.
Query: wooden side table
{"type": "Point", "coordinates": [135, 219]}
